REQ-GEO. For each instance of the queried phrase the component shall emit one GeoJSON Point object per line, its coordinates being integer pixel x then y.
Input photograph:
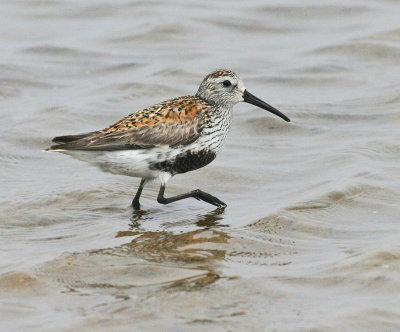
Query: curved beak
{"type": "Point", "coordinates": [251, 99]}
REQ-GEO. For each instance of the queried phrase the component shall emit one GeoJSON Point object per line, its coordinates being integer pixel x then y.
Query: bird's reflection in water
{"type": "Point", "coordinates": [209, 219]}
{"type": "Point", "coordinates": [201, 248]}
{"type": "Point", "coordinates": [137, 217]}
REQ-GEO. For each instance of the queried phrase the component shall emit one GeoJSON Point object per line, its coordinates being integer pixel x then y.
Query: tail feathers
{"type": "Point", "coordinates": [70, 138]}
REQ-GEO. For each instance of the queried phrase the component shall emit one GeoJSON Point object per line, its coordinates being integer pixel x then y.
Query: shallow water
{"type": "Point", "coordinates": [310, 237]}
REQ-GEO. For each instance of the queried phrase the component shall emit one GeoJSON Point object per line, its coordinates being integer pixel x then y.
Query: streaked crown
{"type": "Point", "coordinates": [222, 88]}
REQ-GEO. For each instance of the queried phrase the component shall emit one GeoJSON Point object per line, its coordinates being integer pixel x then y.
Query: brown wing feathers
{"type": "Point", "coordinates": [175, 122]}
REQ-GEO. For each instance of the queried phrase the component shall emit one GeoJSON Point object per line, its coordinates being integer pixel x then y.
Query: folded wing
{"type": "Point", "coordinates": [172, 123]}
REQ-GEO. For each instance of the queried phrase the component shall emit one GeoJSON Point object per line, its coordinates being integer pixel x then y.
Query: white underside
{"type": "Point", "coordinates": [135, 163]}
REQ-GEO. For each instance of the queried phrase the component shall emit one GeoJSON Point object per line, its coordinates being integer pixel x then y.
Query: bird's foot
{"type": "Point", "coordinates": [206, 197]}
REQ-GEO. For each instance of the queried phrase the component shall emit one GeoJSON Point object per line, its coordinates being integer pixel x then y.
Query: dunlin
{"type": "Point", "coordinates": [173, 137]}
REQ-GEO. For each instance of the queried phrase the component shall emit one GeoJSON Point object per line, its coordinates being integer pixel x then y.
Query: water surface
{"type": "Point", "coordinates": [310, 237]}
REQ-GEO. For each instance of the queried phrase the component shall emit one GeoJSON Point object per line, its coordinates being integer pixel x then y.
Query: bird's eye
{"type": "Point", "coordinates": [227, 83]}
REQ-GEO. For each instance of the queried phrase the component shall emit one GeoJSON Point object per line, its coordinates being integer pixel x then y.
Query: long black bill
{"type": "Point", "coordinates": [251, 99]}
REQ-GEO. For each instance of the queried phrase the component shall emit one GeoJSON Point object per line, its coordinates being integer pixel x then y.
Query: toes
{"type": "Point", "coordinates": [218, 203]}
{"type": "Point", "coordinates": [215, 201]}
{"type": "Point", "coordinates": [201, 195]}
{"type": "Point", "coordinates": [210, 199]}
{"type": "Point", "coordinates": [221, 203]}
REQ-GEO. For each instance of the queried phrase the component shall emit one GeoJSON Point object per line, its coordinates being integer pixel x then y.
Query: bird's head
{"type": "Point", "coordinates": [224, 88]}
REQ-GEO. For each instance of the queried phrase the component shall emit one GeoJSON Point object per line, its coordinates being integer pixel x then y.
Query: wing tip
{"type": "Point", "coordinates": [55, 148]}
{"type": "Point", "coordinates": [71, 138]}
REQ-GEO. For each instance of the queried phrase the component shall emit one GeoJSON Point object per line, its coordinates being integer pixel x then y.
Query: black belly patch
{"type": "Point", "coordinates": [185, 162]}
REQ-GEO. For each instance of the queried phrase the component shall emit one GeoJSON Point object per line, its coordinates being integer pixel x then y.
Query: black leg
{"type": "Point", "coordinates": [198, 194]}
{"type": "Point", "coordinates": [135, 202]}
